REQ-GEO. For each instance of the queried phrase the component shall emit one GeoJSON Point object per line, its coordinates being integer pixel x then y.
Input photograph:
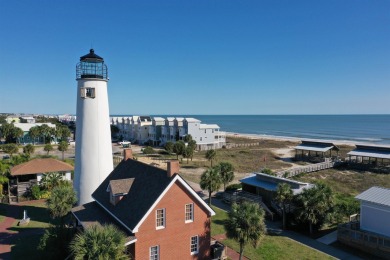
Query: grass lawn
{"type": "Point", "coordinates": [271, 247]}
{"type": "Point", "coordinates": [27, 239]}
{"type": "Point", "coordinates": [39, 216]}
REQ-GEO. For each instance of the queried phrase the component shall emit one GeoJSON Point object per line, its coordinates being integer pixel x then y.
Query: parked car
{"type": "Point", "coordinates": [124, 142]}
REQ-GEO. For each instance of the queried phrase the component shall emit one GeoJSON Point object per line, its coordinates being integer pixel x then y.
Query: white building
{"type": "Point", "coordinates": [155, 130]}
{"type": "Point", "coordinates": [375, 210]}
{"type": "Point", "coordinates": [93, 135]}
{"type": "Point", "coordinates": [159, 131]}
{"type": "Point", "coordinates": [144, 122]}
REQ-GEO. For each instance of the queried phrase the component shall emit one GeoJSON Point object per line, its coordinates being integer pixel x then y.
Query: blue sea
{"type": "Point", "coordinates": [354, 128]}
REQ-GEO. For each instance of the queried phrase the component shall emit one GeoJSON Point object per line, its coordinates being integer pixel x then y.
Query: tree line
{"type": "Point", "coordinates": [11, 134]}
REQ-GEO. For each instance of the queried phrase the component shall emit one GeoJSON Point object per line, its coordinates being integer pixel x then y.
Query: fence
{"type": "Point", "coordinates": [376, 244]}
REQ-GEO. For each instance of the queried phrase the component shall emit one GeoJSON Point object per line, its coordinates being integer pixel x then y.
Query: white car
{"type": "Point", "coordinates": [124, 142]}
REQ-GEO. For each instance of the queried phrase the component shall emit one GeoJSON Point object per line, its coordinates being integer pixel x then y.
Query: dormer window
{"type": "Point", "coordinates": [118, 189]}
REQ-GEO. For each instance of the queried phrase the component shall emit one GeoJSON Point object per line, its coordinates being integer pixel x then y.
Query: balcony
{"type": "Point", "coordinates": [372, 243]}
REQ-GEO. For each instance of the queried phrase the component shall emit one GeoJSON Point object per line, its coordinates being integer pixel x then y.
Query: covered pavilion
{"type": "Point", "coordinates": [370, 154]}
{"type": "Point", "coordinates": [315, 150]}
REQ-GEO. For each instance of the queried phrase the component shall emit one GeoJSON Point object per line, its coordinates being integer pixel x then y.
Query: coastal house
{"type": "Point", "coordinates": [155, 130]}
{"type": "Point", "coordinates": [370, 232]}
{"type": "Point", "coordinates": [166, 131]}
{"type": "Point", "coordinates": [162, 216]}
{"type": "Point", "coordinates": [316, 151]}
{"type": "Point", "coordinates": [144, 122]}
{"type": "Point", "coordinates": [24, 175]}
{"type": "Point", "coordinates": [266, 185]}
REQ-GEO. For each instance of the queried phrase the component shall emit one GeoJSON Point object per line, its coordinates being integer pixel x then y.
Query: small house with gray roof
{"type": "Point", "coordinates": [371, 231]}
{"type": "Point", "coordinates": [163, 217]}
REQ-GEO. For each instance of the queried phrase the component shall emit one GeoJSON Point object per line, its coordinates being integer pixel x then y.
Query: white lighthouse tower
{"type": "Point", "coordinates": [93, 136]}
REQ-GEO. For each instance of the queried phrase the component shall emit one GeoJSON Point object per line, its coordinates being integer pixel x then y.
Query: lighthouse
{"type": "Point", "coordinates": [93, 137]}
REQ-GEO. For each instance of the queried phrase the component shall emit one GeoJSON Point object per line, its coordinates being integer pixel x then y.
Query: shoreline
{"type": "Point", "coordinates": [297, 139]}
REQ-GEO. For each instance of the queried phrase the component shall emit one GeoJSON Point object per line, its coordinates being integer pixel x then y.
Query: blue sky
{"type": "Point", "coordinates": [200, 57]}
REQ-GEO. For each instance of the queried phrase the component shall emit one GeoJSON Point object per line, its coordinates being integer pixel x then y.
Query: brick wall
{"type": "Point", "coordinates": [174, 239]}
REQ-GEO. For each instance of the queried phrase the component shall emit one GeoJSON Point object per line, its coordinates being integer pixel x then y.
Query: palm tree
{"type": "Point", "coordinates": [210, 181]}
{"type": "Point", "coordinates": [61, 201]}
{"type": "Point", "coordinates": [99, 242]}
{"type": "Point", "coordinates": [34, 132]}
{"type": "Point", "coordinates": [314, 204]}
{"type": "Point", "coordinates": [63, 147]}
{"type": "Point", "coordinates": [210, 155]}
{"type": "Point", "coordinates": [226, 171]}
{"type": "Point", "coordinates": [51, 180]}
{"type": "Point", "coordinates": [245, 224]}
{"type": "Point", "coordinates": [46, 131]}
{"type": "Point", "coordinates": [17, 133]}
{"type": "Point", "coordinates": [283, 196]}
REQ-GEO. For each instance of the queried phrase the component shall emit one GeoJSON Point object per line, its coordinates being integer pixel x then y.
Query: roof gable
{"type": "Point", "coordinates": [121, 187]}
{"type": "Point", "coordinates": [149, 186]}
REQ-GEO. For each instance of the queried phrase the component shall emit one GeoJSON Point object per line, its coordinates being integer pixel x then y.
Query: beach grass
{"type": "Point", "coordinates": [345, 181]}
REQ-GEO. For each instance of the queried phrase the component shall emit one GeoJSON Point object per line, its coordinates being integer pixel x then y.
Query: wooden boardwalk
{"type": "Point", "coordinates": [305, 169]}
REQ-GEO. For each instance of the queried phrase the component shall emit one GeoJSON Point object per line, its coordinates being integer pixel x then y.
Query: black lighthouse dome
{"type": "Point", "coordinates": [91, 66]}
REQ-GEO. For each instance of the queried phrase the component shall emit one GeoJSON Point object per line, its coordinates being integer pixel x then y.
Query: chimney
{"type": "Point", "coordinates": [172, 167]}
{"type": "Point", "coordinates": [127, 154]}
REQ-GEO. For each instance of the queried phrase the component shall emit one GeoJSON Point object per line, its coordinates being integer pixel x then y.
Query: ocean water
{"type": "Point", "coordinates": [354, 128]}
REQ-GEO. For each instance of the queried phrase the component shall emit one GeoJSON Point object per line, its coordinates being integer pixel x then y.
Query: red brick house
{"type": "Point", "coordinates": [163, 217]}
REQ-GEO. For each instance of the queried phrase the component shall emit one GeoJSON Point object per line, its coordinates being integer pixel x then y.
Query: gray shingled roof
{"type": "Point", "coordinates": [376, 195]}
{"type": "Point", "coordinates": [149, 182]}
{"type": "Point", "coordinates": [91, 214]}
{"type": "Point", "coordinates": [121, 186]}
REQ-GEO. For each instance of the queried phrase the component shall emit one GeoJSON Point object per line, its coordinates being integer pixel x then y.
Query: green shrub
{"type": "Point", "coordinates": [36, 192]}
{"type": "Point", "coordinates": [45, 194]}
{"type": "Point", "coordinates": [233, 187]}
{"type": "Point", "coordinates": [148, 150]}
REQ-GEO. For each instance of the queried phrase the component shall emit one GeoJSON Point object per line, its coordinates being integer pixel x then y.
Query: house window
{"type": "Point", "coordinates": [189, 212]}
{"type": "Point", "coordinates": [160, 218]}
{"type": "Point", "coordinates": [154, 253]}
{"type": "Point", "coordinates": [194, 245]}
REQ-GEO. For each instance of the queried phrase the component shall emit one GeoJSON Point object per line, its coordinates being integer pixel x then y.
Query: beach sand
{"type": "Point", "coordinates": [292, 139]}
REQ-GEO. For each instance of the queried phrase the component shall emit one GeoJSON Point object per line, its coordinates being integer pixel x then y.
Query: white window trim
{"type": "Point", "coordinates": [192, 213]}
{"type": "Point", "coordinates": [197, 245]}
{"type": "Point", "coordinates": [158, 252]}
{"type": "Point", "coordinates": [164, 219]}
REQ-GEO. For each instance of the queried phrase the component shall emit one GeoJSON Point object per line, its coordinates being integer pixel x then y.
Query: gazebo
{"type": "Point", "coordinates": [315, 150]}
{"type": "Point", "coordinates": [29, 173]}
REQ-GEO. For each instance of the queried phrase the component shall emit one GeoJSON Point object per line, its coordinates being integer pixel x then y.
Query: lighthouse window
{"type": "Point", "coordinates": [87, 92]}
